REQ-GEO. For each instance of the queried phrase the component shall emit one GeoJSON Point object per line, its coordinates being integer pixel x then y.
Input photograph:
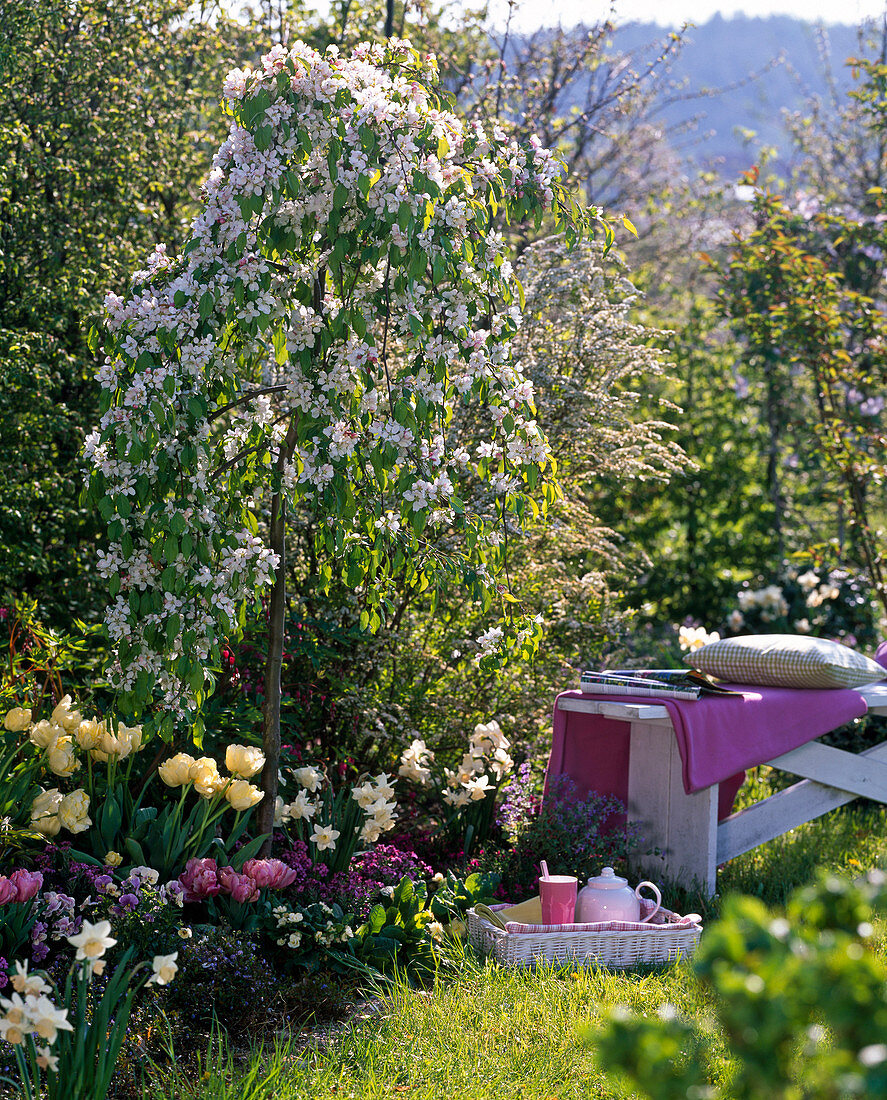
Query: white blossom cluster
{"type": "Point", "coordinates": [770, 600]}
{"type": "Point", "coordinates": [345, 215]}
{"type": "Point", "coordinates": [416, 761]}
{"type": "Point", "coordinates": [375, 796]}
{"type": "Point", "coordinates": [324, 932]}
{"type": "Point", "coordinates": [485, 764]}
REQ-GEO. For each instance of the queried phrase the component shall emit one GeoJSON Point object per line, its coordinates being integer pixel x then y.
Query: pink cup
{"type": "Point", "coordinates": [558, 895]}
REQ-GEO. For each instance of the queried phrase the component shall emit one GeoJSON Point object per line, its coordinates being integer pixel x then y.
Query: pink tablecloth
{"type": "Point", "coordinates": [718, 737]}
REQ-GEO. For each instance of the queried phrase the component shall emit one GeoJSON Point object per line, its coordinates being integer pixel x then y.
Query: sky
{"type": "Point", "coordinates": [535, 13]}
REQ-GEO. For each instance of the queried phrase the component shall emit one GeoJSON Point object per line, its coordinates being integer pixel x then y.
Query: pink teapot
{"type": "Point", "coordinates": [609, 897]}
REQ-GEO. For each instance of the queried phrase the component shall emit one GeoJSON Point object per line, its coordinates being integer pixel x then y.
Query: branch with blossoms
{"type": "Point", "coordinates": [349, 168]}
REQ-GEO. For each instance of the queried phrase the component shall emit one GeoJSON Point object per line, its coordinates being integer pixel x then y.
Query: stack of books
{"type": "Point", "coordinates": [660, 683]}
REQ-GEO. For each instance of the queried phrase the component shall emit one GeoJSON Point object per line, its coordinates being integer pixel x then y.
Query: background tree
{"type": "Point", "coordinates": [103, 145]}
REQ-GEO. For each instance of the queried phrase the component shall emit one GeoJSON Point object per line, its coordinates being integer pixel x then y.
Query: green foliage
{"type": "Point", "coordinates": [395, 937]}
{"type": "Point", "coordinates": [800, 289]}
{"type": "Point", "coordinates": [44, 664]}
{"type": "Point", "coordinates": [800, 1000]}
{"type": "Point", "coordinates": [167, 838]}
{"type": "Point", "coordinates": [95, 96]}
{"type": "Point", "coordinates": [455, 896]}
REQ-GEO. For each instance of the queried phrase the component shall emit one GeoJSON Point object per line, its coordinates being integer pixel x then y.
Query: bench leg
{"type": "Point", "coordinates": [682, 826]}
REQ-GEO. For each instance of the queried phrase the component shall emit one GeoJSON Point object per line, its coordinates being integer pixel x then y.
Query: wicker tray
{"type": "Point", "coordinates": [653, 945]}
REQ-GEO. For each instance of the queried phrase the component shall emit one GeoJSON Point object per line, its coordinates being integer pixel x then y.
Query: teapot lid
{"type": "Point", "coordinates": [608, 879]}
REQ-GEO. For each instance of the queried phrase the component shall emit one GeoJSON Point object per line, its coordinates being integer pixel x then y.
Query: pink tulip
{"type": "Point", "coordinates": [200, 879]}
{"type": "Point", "coordinates": [27, 883]}
{"type": "Point", "coordinates": [8, 891]}
{"type": "Point", "coordinates": [240, 887]}
{"type": "Point", "coordinates": [269, 872]}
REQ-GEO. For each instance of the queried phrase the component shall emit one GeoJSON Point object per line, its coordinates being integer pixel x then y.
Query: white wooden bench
{"type": "Point", "coordinates": [684, 827]}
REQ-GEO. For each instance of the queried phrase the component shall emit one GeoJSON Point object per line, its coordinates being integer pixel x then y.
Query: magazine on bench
{"type": "Point", "coordinates": [661, 683]}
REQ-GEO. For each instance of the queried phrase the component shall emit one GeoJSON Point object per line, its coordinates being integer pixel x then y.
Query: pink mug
{"type": "Point", "coordinates": [558, 896]}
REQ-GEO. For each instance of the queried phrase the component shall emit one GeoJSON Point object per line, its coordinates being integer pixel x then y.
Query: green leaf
{"type": "Point", "coordinates": [403, 892]}
{"type": "Point", "coordinates": [376, 918]}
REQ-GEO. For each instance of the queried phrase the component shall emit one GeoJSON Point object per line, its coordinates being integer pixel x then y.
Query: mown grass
{"type": "Point", "coordinates": [494, 1032]}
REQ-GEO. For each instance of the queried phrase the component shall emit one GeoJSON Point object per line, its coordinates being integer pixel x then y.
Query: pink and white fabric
{"type": "Point", "coordinates": [718, 737]}
{"type": "Point", "coordinates": [663, 917]}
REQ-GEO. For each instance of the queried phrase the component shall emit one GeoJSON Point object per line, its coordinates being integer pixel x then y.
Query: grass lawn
{"type": "Point", "coordinates": [494, 1032]}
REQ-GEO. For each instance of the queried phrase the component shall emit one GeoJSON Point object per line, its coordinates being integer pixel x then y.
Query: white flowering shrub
{"type": "Point", "coordinates": [468, 791]}
{"type": "Point", "coordinates": [344, 297]}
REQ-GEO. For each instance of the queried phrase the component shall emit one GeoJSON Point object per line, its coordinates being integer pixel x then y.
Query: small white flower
{"type": "Point", "coordinates": [165, 968]}
{"type": "Point", "coordinates": [45, 1060]}
{"type": "Point", "coordinates": [695, 637]}
{"type": "Point", "coordinates": [93, 940]}
{"type": "Point", "coordinates": [325, 837]}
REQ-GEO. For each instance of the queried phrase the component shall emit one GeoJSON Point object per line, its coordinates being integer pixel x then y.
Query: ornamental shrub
{"type": "Point", "coordinates": [799, 999]}
{"type": "Point", "coordinates": [575, 835]}
{"type": "Point", "coordinates": [344, 308]}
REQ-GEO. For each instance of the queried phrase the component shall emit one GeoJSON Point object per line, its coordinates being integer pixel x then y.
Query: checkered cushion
{"type": "Point", "coordinates": [785, 660]}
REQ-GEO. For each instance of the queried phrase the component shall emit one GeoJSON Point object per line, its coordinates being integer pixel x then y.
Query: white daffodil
{"type": "Point", "coordinates": [301, 807]}
{"type": "Point", "coordinates": [365, 795]}
{"type": "Point", "coordinates": [46, 1060]}
{"type": "Point", "coordinates": [93, 940]}
{"type": "Point", "coordinates": [46, 1019]}
{"type": "Point", "coordinates": [325, 837]}
{"type": "Point", "coordinates": [309, 778]}
{"type": "Point", "coordinates": [477, 788]}
{"type": "Point", "coordinates": [23, 982]}
{"type": "Point", "coordinates": [384, 786]}
{"type": "Point", "coordinates": [165, 968]}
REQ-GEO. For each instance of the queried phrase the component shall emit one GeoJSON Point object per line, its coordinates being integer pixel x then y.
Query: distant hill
{"type": "Point", "coordinates": [722, 54]}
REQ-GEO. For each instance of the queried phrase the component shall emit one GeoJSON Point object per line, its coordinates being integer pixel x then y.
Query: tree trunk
{"type": "Point", "coordinates": [277, 622]}
{"type": "Point", "coordinates": [274, 660]}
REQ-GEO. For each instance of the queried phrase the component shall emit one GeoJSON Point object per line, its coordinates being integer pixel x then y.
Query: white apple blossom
{"type": "Point", "coordinates": [346, 228]}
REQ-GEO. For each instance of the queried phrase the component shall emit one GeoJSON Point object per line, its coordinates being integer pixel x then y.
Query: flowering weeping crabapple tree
{"type": "Point", "coordinates": [343, 305]}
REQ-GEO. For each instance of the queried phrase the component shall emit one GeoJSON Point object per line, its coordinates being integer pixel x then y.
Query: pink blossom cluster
{"type": "Point", "coordinates": [21, 885]}
{"type": "Point", "coordinates": [203, 878]}
{"type": "Point", "coordinates": [272, 315]}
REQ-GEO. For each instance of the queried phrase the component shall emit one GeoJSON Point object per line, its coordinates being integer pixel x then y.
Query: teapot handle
{"type": "Point", "coordinates": [655, 889]}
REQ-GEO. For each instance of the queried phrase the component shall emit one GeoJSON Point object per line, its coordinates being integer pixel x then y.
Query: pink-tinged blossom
{"type": "Point", "coordinates": [8, 892]}
{"type": "Point", "coordinates": [200, 879]}
{"type": "Point", "coordinates": [241, 887]}
{"type": "Point", "coordinates": [297, 158]}
{"type": "Point", "coordinates": [269, 872]}
{"type": "Point", "coordinates": [27, 883]}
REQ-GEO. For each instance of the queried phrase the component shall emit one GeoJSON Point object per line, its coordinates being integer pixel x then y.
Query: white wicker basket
{"type": "Point", "coordinates": [653, 945]}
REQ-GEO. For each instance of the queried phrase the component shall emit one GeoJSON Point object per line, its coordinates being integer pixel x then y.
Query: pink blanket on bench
{"type": "Point", "coordinates": [718, 737]}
